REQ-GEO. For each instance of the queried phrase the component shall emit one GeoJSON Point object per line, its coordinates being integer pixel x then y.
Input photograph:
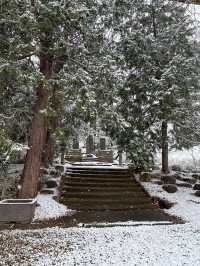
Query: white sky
{"type": "Point", "coordinates": [195, 13]}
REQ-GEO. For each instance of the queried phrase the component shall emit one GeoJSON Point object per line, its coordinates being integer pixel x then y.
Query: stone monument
{"type": "Point", "coordinates": [90, 144]}
{"type": "Point", "coordinates": [75, 145]}
{"type": "Point", "coordinates": [102, 144]}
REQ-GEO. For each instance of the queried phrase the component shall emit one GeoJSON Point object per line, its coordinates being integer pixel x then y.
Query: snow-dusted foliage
{"type": "Point", "coordinates": [129, 64]}
{"type": "Point", "coordinates": [48, 47]}
{"type": "Point", "coordinates": [157, 64]}
{"type": "Point", "coordinates": [16, 82]}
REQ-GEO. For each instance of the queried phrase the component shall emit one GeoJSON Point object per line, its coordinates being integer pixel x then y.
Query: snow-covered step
{"type": "Point", "coordinates": [82, 172]}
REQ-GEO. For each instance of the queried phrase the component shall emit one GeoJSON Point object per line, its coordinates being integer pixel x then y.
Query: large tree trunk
{"type": "Point", "coordinates": [164, 140]}
{"type": "Point", "coordinates": [48, 150]}
{"type": "Point", "coordinates": [31, 169]}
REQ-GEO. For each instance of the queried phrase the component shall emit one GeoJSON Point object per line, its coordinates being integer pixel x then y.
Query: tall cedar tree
{"type": "Point", "coordinates": [156, 55]}
{"type": "Point", "coordinates": [50, 36]}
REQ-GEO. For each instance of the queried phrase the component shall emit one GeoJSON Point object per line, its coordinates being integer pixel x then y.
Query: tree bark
{"type": "Point", "coordinates": [164, 146]}
{"type": "Point", "coordinates": [31, 171]}
{"type": "Point", "coordinates": [48, 150]}
{"type": "Point", "coordinates": [48, 153]}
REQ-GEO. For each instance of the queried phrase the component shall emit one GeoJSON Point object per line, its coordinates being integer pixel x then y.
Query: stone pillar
{"type": "Point", "coordinates": [102, 144]}
{"type": "Point", "coordinates": [75, 145]}
{"type": "Point", "coordinates": [90, 144]}
{"type": "Point", "coordinates": [120, 153]}
{"type": "Point", "coordinates": [62, 153]}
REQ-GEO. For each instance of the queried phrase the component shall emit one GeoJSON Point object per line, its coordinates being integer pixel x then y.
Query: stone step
{"type": "Point", "coordinates": [97, 170]}
{"type": "Point", "coordinates": [99, 173]}
{"type": "Point", "coordinates": [98, 189]}
{"type": "Point", "coordinates": [98, 180]}
{"type": "Point", "coordinates": [111, 189]}
{"type": "Point", "coordinates": [99, 184]}
{"type": "Point", "coordinates": [105, 207]}
{"type": "Point", "coordinates": [110, 217]}
{"type": "Point", "coordinates": [109, 201]}
{"type": "Point", "coordinates": [103, 194]}
{"type": "Point", "coordinates": [96, 175]}
{"type": "Point", "coordinates": [86, 173]}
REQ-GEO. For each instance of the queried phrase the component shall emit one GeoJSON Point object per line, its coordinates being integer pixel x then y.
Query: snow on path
{"type": "Point", "coordinates": [95, 165]}
{"type": "Point", "coordinates": [187, 206]}
{"type": "Point", "coordinates": [49, 208]}
{"type": "Point", "coordinates": [145, 245]}
{"type": "Point", "coordinates": [155, 245]}
{"type": "Point", "coordinates": [174, 245]}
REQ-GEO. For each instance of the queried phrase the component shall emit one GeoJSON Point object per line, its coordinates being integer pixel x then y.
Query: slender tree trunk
{"type": "Point", "coordinates": [31, 171]}
{"type": "Point", "coordinates": [164, 137]}
{"type": "Point", "coordinates": [164, 140]}
{"type": "Point", "coordinates": [154, 20]}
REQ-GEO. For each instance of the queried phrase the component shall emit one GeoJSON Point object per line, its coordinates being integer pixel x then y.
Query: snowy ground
{"type": "Point", "coordinates": [187, 159]}
{"type": "Point", "coordinates": [48, 208]}
{"type": "Point", "coordinates": [187, 205]}
{"type": "Point", "coordinates": [174, 245]}
{"type": "Point", "coordinates": [144, 245]}
{"type": "Point", "coordinates": [126, 245]}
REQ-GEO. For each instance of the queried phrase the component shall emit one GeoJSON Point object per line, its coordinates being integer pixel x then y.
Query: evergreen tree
{"type": "Point", "coordinates": [155, 50]}
{"type": "Point", "coordinates": [16, 89]}
{"type": "Point", "coordinates": [50, 36]}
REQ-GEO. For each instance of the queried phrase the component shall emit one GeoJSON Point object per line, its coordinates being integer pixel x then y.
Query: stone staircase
{"type": "Point", "coordinates": [102, 189]}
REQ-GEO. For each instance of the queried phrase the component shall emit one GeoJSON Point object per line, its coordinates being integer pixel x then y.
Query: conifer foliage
{"type": "Point", "coordinates": [50, 37]}
{"type": "Point", "coordinates": [130, 66]}
{"type": "Point", "coordinates": [155, 51]}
